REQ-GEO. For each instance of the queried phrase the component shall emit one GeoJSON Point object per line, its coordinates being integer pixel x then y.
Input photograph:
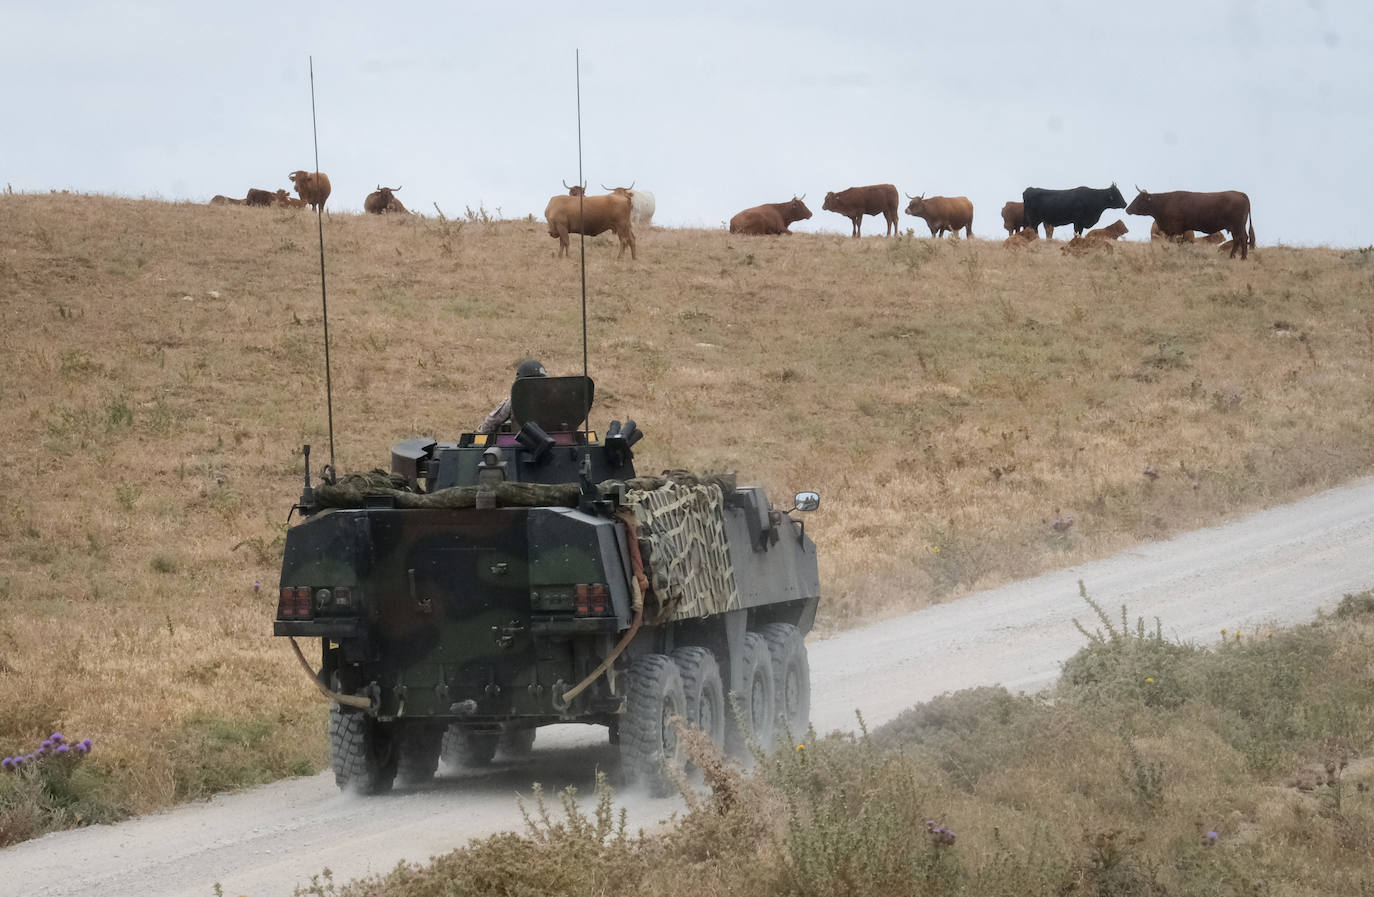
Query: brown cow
{"type": "Point", "coordinates": [856, 202]}
{"type": "Point", "coordinates": [1024, 237]}
{"type": "Point", "coordinates": [219, 200]}
{"type": "Point", "coordinates": [770, 218]}
{"type": "Point", "coordinates": [591, 215]}
{"type": "Point", "coordinates": [943, 213]}
{"type": "Point", "coordinates": [381, 202]}
{"type": "Point", "coordinates": [1014, 217]}
{"type": "Point", "coordinates": [576, 190]}
{"type": "Point", "coordinates": [1088, 243]}
{"type": "Point", "coordinates": [313, 187]}
{"type": "Point", "coordinates": [1159, 236]}
{"type": "Point", "coordinates": [1184, 210]}
{"type": "Point", "coordinates": [1212, 238]}
{"type": "Point", "coordinates": [258, 197]}
{"type": "Point", "coordinates": [287, 201]}
{"type": "Point", "coordinates": [1114, 231]}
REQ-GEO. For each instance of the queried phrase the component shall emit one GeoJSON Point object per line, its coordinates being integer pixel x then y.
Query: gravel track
{"type": "Point", "coordinates": [1277, 567]}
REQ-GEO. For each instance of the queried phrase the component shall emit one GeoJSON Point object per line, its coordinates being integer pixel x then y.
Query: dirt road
{"type": "Point", "coordinates": [1276, 567]}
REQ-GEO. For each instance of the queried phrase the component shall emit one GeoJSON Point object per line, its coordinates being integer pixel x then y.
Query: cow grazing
{"type": "Point", "coordinates": [1081, 206]}
{"type": "Point", "coordinates": [219, 200]}
{"type": "Point", "coordinates": [771, 217]}
{"type": "Point", "coordinates": [313, 187]}
{"type": "Point", "coordinates": [1182, 210]}
{"type": "Point", "coordinates": [381, 201]}
{"type": "Point", "coordinates": [642, 208]}
{"type": "Point", "coordinates": [856, 202]}
{"type": "Point", "coordinates": [943, 213]}
{"type": "Point", "coordinates": [1114, 231]}
{"type": "Point", "coordinates": [1014, 217]}
{"type": "Point", "coordinates": [591, 215]}
{"type": "Point", "coordinates": [258, 197]}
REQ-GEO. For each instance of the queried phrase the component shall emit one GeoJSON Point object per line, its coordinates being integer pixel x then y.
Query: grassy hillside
{"type": "Point", "coordinates": [969, 414]}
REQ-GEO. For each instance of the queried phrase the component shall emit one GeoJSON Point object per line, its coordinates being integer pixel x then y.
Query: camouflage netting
{"type": "Point", "coordinates": [689, 570]}
{"type": "Point", "coordinates": [678, 514]}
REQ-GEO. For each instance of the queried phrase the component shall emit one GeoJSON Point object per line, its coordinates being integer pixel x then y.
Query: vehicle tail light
{"type": "Point", "coordinates": [592, 600]}
{"type": "Point", "coordinates": [294, 603]}
{"type": "Point", "coordinates": [343, 597]}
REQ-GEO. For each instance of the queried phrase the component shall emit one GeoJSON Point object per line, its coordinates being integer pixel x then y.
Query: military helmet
{"type": "Point", "coordinates": [530, 368]}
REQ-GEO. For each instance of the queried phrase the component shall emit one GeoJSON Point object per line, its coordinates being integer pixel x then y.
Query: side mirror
{"type": "Point", "coordinates": [807, 501]}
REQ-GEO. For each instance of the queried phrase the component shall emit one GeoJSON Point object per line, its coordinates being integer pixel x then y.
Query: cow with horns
{"type": "Point", "coordinates": [770, 218]}
{"type": "Point", "coordinates": [381, 201]}
{"type": "Point", "coordinates": [943, 213]}
{"type": "Point", "coordinates": [1080, 206]}
{"type": "Point", "coordinates": [1207, 213]}
{"type": "Point", "coordinates": [578, 213]}
{"type": "Point", "coordinates": [641, 204]}
{"type": "Point", "coordinates": [313, 187]}
{"type": "Point", "coordinates": [856, 202]}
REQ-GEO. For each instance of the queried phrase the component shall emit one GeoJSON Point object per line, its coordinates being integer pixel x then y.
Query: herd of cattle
{"type": "Point", "coordinates": [1176, 214]}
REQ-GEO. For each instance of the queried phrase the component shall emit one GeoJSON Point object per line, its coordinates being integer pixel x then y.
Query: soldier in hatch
{"type": "Point", "coordinates": [501, 413]}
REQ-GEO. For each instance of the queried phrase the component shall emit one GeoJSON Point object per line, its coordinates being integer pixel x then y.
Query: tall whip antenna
{"type": "Point", "coordinates": [324, 295]}
{"type": "Point", "coordinates": [582, 220]}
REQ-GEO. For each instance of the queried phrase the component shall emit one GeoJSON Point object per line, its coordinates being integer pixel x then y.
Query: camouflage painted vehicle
{"type": "Point", "coordinates": [488, 587]}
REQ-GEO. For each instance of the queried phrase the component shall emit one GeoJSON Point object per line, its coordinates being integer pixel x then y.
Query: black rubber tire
{"type": "Point", "coordinates": [701, 685]}
{"type": "Point", "coordinates": [362, 752]}
{"type": "Point", "coordinates": [756, 701]}
{"type": "Point", "coordinates": [471, 750]}
{"type": "Point", "coordinates": [791, 678]}
{"type": "Point", "coordinates": [517, 741]}
{"type": "Point", "coordinates": [649, 748]}
{"type": "Point", "coordinates": [417, 752]}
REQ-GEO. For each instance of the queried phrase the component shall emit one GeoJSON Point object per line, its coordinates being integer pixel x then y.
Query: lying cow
{"type": "Point", "coordinates": [771, 217]}
{"type": "Point", "coordinates": [943, 213]}
{"type": "Point", "coordinates": [287, 201]}
{"type": "Point", "coordinates": [381, 202]}
{"type": "Point", "coordinates": [258, 197]}
{"type": "Point", "coordinates": [1022, 238]}
{"type": "Point", "coordinates": [591, 215]}
{"type": "Point", "coordinates": [219, 200]}
{"type": "Point", "coordinates": [1113, 231]}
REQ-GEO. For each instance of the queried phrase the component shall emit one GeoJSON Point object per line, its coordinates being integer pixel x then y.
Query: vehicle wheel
{"type": "Point", "coordinates": [417, 752]}
{"type": "Point", "coordinates": [517, 741]}
{"type": "Point", "coordinates": [362, 752]}
{"type": "Point", "coordinates": [649, 748]}
{"type": "Point", "coordinates": [469, 749]}
{"type": "Point", "coordinates": [791, 677]}
{"type": "Point", "coordinates": [703, 690]}
{"type": "Point", "coordinates": [756, 701]}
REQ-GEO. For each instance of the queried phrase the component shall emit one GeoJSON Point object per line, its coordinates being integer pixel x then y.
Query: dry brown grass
{"type": "Point", "coordinates": [950, 401]}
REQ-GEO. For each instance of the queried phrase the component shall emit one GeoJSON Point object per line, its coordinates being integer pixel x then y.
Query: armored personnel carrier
{"type": "Point", "coordinates": [487, 587]}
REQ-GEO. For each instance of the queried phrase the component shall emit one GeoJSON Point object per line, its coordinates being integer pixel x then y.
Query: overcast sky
{"type": "Point", "coordinates": [713, 107]}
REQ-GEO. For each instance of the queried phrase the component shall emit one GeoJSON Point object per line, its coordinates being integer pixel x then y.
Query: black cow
{"type": "Point", "coordinates": [1081, 207]}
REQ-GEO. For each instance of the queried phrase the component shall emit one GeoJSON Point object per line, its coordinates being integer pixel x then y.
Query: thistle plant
{"type": "Point", "coordinates": [54, 746]}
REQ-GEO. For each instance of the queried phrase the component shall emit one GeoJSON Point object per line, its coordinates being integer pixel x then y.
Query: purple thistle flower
{"type": "Point", "coordinates": [44, 748]}
{"type": "Point", "coordinates": [87, 743]}
{"type": "Point", "coordinates": [7, 763]}
{"type": "Point", "coordinates": [61, 749]}
{"type": "Point", "coordinates": [57, 738]}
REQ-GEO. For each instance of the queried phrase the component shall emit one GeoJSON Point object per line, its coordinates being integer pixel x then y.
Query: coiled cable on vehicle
{"type": "Point", "coordinates": [638, 583]}
{"type": "Point", "coordinates": [345, 700]}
